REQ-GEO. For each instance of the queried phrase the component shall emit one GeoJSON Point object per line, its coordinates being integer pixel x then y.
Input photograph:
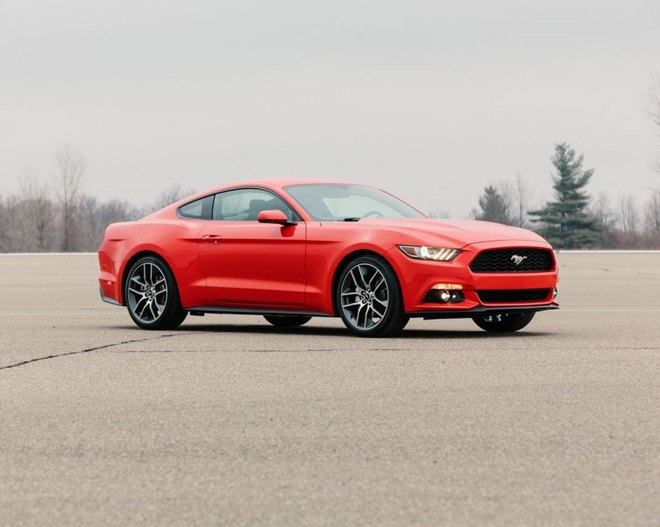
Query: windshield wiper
{"type": "Point", "coordinates": [351, 218]}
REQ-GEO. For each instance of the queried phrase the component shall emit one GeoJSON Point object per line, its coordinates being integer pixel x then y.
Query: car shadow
{"type": "Point", "coordinates": [340, 331]}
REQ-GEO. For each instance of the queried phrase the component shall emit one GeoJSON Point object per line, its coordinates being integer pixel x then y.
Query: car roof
{"type": "Point", "coordinates": [272, 184]}
{"type": "Point", "coordinates": [281, 183]}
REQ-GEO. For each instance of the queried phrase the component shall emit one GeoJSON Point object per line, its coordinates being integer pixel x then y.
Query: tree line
{"type": "Point", "coordinates": [572, 219]}
{"type": "Point", "coordinates": [59, 216]}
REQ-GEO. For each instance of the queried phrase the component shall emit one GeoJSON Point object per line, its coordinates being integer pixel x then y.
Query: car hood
{"type": "Point", "coordinates": [455, 233]}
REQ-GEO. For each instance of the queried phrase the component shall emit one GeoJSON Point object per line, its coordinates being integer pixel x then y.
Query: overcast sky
{"type": "Point", "coordinates": [429, 99]}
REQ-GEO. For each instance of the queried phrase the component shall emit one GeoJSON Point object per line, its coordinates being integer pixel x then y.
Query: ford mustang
{"type": "Point", "coordinates": [292, 250]}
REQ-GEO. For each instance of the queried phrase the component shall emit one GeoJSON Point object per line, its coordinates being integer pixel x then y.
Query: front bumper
{"type": "Point", "coordinates": [418, 276]}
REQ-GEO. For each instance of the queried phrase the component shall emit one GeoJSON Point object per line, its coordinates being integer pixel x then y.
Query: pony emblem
{"type": "Point", "coordinates": [517, 259]}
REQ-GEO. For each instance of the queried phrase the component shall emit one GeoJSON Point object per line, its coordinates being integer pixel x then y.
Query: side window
{"type": "Point", "coordinates": [246, 204]}
{"type": "Point", "coordinates": [199, 209]}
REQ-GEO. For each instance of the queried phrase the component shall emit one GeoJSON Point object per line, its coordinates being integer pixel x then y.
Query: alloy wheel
{"type": "Point", "coordinates": [147, 292]}
{"type": "Point", "coordinates": [365, 296]}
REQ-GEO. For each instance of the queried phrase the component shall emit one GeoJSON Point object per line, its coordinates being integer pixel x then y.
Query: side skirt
{"type": "Point", "coordinates": [201, 310]}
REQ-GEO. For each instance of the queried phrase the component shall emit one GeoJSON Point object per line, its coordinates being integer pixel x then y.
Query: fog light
{"type": "Point", "coordinates": [444, 294]}
{"type": "Point", "coordinates": [555, 293]}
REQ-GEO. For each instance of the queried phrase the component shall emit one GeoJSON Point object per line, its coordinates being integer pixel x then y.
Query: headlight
{"type": "Point", "coordinates": [439, 254]}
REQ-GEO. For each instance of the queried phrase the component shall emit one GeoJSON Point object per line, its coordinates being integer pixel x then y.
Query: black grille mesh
{"type": "Point", "coordinates": [503, 261]}
{"type": "Point", "coordinates": [499, 296]}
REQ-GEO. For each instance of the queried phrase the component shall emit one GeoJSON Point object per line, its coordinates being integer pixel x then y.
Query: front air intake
{"type": "Point", "coordinates": [507, 296]}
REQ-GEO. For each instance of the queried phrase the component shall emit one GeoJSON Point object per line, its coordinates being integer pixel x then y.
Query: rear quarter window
{"type": "Point", "coordinates": [200, 209]}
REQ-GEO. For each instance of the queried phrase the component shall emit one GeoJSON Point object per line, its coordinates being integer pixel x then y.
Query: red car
{"type": "Point", "coordinates": [292, 250]}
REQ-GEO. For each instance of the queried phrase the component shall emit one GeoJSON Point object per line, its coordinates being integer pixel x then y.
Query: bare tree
{"type": "Point", "coordinates": [88, 224]}
{"type": "Point", "coordinates": [605, 219]}
{"type": "Point", "coordinates": [70, 172]}
{"type": "Point", "coordinates": [653, 109]}
{"type": "Point", "coordinates": [521, 198]}
{"type": "Point", "coordinates": [653, 103]}
{"type": "Point", "coordinates": [11, 226]}
{"type": "Point", "coordinates": [36, 212]}
{"type": "Point", "coordinates": [168, 196]}
{"type": "Point", "coordinates": [652, 216]}
{"type": "Point", "coordinates": [116, 210]}
{"type": "Point", "coordinates": [629, 215]}
{"type": "Point", "coordinates": [4, 223]}
{"type": "Point", "coordinates": [438, 214]}
{"type": "Point", "coordinates": [94, 217]}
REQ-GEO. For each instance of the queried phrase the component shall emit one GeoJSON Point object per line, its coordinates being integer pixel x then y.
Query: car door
{"type": "Point", "coordinates": [251, 264]}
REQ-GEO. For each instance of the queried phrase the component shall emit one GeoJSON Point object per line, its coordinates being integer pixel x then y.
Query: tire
{"type": "Point", "coordinates": [504, 322]}
{"type": "Point", "coordinates": [368, 298]}
{"type": "Point", "coordinates": [152, 296]}
{"type": "Point", "coordinates": [287, 321]}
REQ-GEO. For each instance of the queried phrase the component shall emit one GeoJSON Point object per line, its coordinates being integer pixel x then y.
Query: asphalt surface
{"type": "Point", "coordinates": [228, 421]}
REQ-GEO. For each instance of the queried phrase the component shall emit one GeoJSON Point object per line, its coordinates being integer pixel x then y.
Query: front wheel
{"type": "Point", "coordinates": [506, 322]}
{"type": "Point", "coordinates": [287, 321]}
{"type": "Point", "coordinates": [368, 298]}
{"type": "Point", "coordinates": [152, 296]}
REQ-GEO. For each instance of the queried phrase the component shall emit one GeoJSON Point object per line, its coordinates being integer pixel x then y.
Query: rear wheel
{"type": "Point", "coordinates": [368, 298]}
{"type": "Point", "coordinates": [152, 296]}
{"type": "Point", "coordinates": [506, 322]}
{"type": "Point", "coordinates": [287, 321]}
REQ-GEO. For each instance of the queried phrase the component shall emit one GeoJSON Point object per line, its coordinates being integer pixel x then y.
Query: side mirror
{"type": "Point", "coordinates": [274, 216]}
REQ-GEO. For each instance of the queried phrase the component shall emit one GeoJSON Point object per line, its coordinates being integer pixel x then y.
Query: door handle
{"type": "Point", "coordinates": [211, 238]}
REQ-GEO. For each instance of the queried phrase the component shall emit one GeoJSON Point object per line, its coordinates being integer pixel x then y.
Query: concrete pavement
{"type": "Point", "coordinates": [229, 421]}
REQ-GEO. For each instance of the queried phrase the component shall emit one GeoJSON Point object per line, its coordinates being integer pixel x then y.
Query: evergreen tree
{"type": "Point", "coordinates": [495, 206]}
{"type": "Point", "coordinates": [565, 222]}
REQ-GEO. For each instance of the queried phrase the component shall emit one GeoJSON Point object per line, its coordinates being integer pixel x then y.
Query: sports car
{"type": "Point", "coordinates": [293, 250]}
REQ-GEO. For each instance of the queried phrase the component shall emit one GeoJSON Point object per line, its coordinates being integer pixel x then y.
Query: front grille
{"type": "Point", "coordinates": [504, 261]}
{"type": "Point", "coordinates": [503, 296]}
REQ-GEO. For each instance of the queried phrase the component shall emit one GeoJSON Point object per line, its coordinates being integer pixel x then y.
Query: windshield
{"type": "Point", "coordinates": [336, 202]}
